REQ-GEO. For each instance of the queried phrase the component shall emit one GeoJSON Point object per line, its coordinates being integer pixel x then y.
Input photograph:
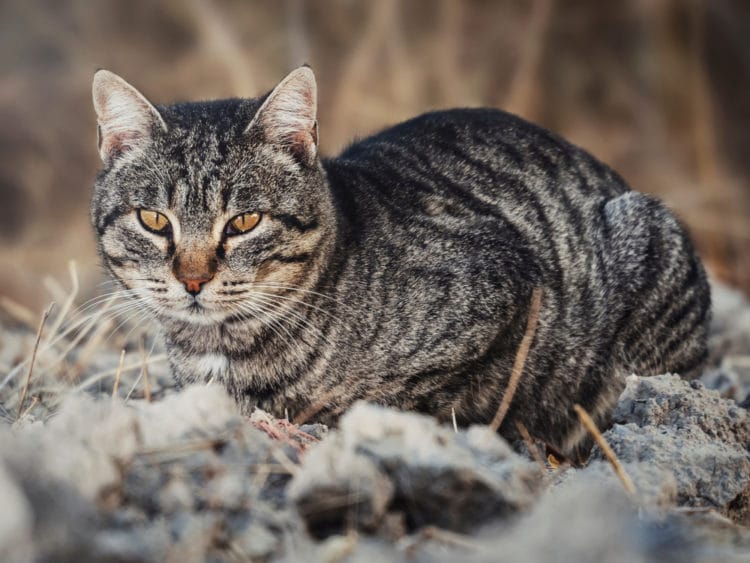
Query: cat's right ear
{"type": "Point", "coordinates": [125, 117]}
{"type": "Point", "coordinates": [287, 117]}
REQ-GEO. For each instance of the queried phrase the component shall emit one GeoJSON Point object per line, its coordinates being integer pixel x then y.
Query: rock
{"type": "Point", "coordinates": [731, 379]}
{"type": "Point", "coordinates": [383, 460]}
{"type": "Point", "coordinates": [730, 324]}
{"type": "Point", "coordinates": [16, 523]}
{"type": "Point", "coordinates": [655, 486]}
{"type": "Point", "coordinates": [197, 412]}
{"type": "Point", "coordinates": [185, 478]}
{"type": "Point", "coordinates": [61, 521]}
{"type": "Point", "coordinates": [669, 401]}
{"type": "Point", "coordinates": [691, 432]}
{"type": "Point", "coordinates": [336, 484]}
{"type": "Point", "coordinates": [589, 520]}
{"type": "Point", "coordinates": [354, 548]}
{"type": "Point", "coordinates": [317, 431]}
{"type": "Point", "coordinates": [582, 522]}
{"type": "Point", "coordinates": [146, 543]}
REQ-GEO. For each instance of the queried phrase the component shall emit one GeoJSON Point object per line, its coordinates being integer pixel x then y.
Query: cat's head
{"type": "Point", "coordinates": [207, 211]}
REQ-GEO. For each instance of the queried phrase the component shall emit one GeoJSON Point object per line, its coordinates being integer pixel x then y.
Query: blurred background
{"type": "Point", "coordinates": [658, 89]}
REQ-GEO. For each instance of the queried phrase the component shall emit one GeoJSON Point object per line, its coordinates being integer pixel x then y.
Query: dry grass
{"type": "Point", "coordinates": [32, 360]}
{"type": "Point", "coordinates": [588, 422]}
{"type": "Point", "coordinates": [531, 445]}
{"type": "Point", "coordinates": [412, 544]}
{"type": "Point", "coordinates": [307, 414]}
{"type": "Point", "coordinates": [144, 370]}
{"type": "Point", "coordinates": [118, 373]}
{"type": "Point", "coordinates": [520, 360]}
{"type": "Point", "coordinates": [57, 360]}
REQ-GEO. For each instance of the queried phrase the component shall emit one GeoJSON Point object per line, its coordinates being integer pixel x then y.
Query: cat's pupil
{"type": "Point", "coordinates": [243, 223]}
{"type": "Point", "coordinates": [153, 220]}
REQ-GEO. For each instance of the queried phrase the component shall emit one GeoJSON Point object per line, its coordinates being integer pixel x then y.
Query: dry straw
{"type": "Point", "coordinates": [588, 422]}
{"type": "Point", "coordinates": [523, 352]}
{"type": "Point", "coordinates": [118, 373]}
{"type": "Point", "coordinates": [144, 372]}
{"type": "Point", "coordinates": [45, 315]}
{"type": "Point", "coordinates": [533, 449]}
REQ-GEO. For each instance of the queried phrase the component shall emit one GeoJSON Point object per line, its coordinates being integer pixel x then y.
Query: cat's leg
{"type": "Point", "coordinates": [661, 286]}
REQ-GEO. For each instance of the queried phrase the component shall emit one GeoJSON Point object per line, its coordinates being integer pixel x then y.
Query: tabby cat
{"type": "Point", "coordinates": [400, 272]}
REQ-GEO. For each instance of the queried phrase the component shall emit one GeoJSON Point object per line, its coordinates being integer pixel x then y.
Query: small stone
{"type": "Point", "coordinates": [435, 476]}
{"type": "Point", "coordinates": [701, 439]}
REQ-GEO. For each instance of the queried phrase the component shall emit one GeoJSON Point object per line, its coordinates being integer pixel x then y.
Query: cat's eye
{"type": "Point", "coordinates": [242, 223]}
{"type": "Point", "coordinates": [154, 221]}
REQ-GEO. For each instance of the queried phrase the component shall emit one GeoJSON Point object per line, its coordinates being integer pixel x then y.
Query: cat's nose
{"type": "Point", "coordinates": [194, 269]}
{"type": "Point", "coordinates": [194, 285]}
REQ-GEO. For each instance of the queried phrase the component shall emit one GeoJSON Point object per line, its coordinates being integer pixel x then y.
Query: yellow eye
{"type": "Point", "coordinates": [154, 221]}
{"type": "Point", "coordinates": [242, 223]}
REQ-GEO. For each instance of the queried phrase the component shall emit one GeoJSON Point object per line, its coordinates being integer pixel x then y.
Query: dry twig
{"type": "Point", "coordinates": [588, 422]}
{"type": "Point", "coordinates": [523, 352]}
{"type": "Point", "coordinates": [315, 408]}
{"type": "Point", "coordinates": [533, 450]}
{"type": "Point", "coordinates": [439, 535]}
{"type": "Point", "coordinates": [117, 375]}
{"type": "Point", "coordinates": [144, 371]}
{"type": "Point", "coordinates": [34, 401]}
{"type": "Point", "coordinates": [33, 357]}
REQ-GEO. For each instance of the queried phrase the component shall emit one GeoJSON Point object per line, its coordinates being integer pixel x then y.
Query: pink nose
{"type": "Point", "coordinates": [194, 285]}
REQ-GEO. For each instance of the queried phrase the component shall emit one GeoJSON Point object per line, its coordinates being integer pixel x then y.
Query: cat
{"type": "Point", "coordinates": [399, 272]}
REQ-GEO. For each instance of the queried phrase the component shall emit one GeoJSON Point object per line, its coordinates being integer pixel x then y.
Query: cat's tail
{"type": "Point", "coordinates": [665, 294]}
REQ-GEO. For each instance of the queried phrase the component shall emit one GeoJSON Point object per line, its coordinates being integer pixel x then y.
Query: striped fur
{"type": "Point", "coordinates": [401, 271]}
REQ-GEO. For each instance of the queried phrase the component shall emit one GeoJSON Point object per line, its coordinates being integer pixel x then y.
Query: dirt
{"type": "Point", "coordinates": [88, 472]}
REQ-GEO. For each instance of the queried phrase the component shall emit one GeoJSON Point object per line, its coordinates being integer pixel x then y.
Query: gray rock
{"type": "Point", "coordinates": [44, 512]}
{"type": "Point", "coordinates": [590, 520]}
{"type": "Point", "coordinates": [655, 486]}
{"type": "Point", "coordinates": [731, 379]}
{"type": "Point", "coordinates": [184, 479]}
{"type": "Point", "coordinates": [16, 522]}
{"type": "Point", "coordinates": [383, 460]}
{"type": "Point", "coordinates": [668, 401]}
{"type": "Point", "coordinates": [187, 478]}
{"type": "Point", "coordinates": [339, 487]}
{"type": "Point", "coordinates": [582, 522]}
{"type": "Point", "coordinates": [150, 542]}
{"type": "Point", "coordinates": [691, 432]}
{"type": "Point", "coordinates": [730, 324]}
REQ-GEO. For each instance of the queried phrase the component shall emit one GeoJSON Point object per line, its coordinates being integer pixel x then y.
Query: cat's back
{"type": "Point", "coordinates": [460, 178]}
{"type": "Point", "coordinates": [457, 215]}
{"type": "Point", "coordinates": [480, 152]}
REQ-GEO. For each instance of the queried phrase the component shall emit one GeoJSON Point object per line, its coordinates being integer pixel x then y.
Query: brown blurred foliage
{"type": "Point", "coordinates": [658, 89]}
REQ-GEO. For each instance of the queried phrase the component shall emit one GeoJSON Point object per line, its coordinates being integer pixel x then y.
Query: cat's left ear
{"type": "Point", "coordinates": [288, 116]}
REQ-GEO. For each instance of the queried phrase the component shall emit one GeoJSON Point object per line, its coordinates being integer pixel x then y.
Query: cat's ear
{"type": "Point", "coordinates": [288, 116]}
{"type": "Point", "coordinates": [125, 117]}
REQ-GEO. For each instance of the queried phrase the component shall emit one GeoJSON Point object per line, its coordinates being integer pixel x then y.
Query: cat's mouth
{"type": "Point", "coordinates": [195, 307]}
{"type": "Point", "coordinates": [194, 312]}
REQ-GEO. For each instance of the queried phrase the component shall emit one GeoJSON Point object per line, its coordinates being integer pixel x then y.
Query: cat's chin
{"type": "Point", "coordinates": [196, 316]}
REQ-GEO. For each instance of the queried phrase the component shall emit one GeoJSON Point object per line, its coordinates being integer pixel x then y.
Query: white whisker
{"type": "Point", "coordinates": [300, 320]}
{"type": "Point", "coordinates": [299, 301]}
